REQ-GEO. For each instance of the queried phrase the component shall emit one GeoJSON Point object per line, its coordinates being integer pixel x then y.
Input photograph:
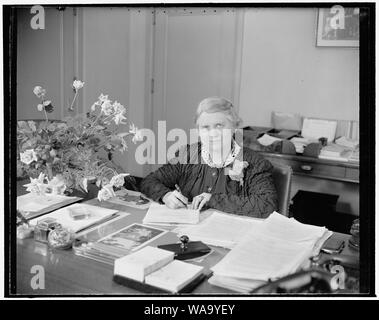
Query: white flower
{"type": "Point", "coordinates": [46, 103]}
{"type": "Point", "coordinates": [57, 185]}
{"type": "Point", "coordinates": [53, 153]}
{"type": "Point", "coordinates": [118, 118]}
{"type": "Point", "coordinates": [118, 107]}
{"type": "Point", "coordinates": [28, 156]}
{"type": "Point", "coordinates": [118, 180]}
{"type": "Point", "coordinates": [236, 172]}
{"type": "Point", "coordinates": [39, 91]}
{"type": "Point", "coordinates": [103, 98]}
{"type": "Point", "coordinates": [40, 107]}
{"type": "Point", "coordinates": [106, 193]}
{"type": "Point", "coordinates": [36, 185]}
{"type": "Point", "coordinates": [107, 107]}
{"type": "Point", "coordinates": [77, 84]}
{"type": "Point", "coordinates": [32, 125]}
{"type": "Point", "coordinates": [137, 134]}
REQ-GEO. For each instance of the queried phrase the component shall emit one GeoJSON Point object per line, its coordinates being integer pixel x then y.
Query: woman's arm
{"type": "Point", "coordinates": [258, 196]}
{"type": "Point", "coordinates": [163, 180]}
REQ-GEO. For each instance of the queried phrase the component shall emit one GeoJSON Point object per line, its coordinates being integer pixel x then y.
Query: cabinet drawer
{"type": "Point", "coordinates": [312, 169]}
{"type": "Point", "coordinates": [352, 174]}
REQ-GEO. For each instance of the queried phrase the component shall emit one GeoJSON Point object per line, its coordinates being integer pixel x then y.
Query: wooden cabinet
{"type": "Point", "coordinates": [324, 176]}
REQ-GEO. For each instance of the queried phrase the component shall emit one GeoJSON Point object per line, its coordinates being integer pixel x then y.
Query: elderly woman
{"type": "Point", "coordinates": [216, 172]}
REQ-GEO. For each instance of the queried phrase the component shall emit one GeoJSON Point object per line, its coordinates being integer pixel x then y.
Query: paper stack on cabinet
{"type": "Point", "coordinates": [221, 230]}
{"type": "Point", "coordinates": [279, 247]}
{"type": "Point", "coordinates": [333, 151]}
{"type": "Point", "coordinates": [162, 215]}
{"type": "Point", "coordinates": [155, 267]}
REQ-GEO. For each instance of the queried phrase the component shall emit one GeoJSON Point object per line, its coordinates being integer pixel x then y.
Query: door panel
{"type": "Point", "coordinates": [45, 57]}
{"type": "Point", "coordinates": [196, 55]}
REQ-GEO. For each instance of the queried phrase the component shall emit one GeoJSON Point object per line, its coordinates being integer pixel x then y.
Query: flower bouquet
{"type": "Point", "coordinates": [62, 155]}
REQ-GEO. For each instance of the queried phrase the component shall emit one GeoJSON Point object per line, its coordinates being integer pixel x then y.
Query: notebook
{"type": "Point", "coordinates": [174, 276]}
{"type": "Point", "coordinates": [161, 214]}
{"type": "Point", "coordinates": [138, 265]}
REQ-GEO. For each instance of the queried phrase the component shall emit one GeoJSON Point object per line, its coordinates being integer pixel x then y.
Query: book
{"type": "Point", "coordinates": [279, 247]}
{"type": "Point", "coordinates": [78, 216]}
{"type": "Point", "coordinates": [132, 237]}
{"type": "Point", "coordinates": [161, 214]}
{"type": "Point", "coordinates": [131, 198]}
{"type": "Point", "coordinates": [139, 264]}
{"type": "Point", "coordinates": [154, 270]}
{"type": "Point", "coordinates": [118, 244]}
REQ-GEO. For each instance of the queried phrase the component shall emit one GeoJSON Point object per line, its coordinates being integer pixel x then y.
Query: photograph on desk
{"type": "Point", "coordinates": [160, 150]}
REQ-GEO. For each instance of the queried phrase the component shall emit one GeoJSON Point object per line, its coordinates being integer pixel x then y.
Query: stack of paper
{"type": "Point", "coordinates": [161, 214]}
{"type": "Point", "coordinates": [221, 230]}
{"type": "Point", "coordinates": [335, 152]}
{"type": "Point", "coordinates": [349, 143]}
{"type": "Point", "coordinates": [118, 244]}
{"type": "Point", "coordinates": [279, 247]}
{"type": "Point", "coordinates": [78, 216]}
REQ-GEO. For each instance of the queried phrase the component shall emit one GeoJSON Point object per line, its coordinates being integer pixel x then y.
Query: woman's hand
{"type": "Point", "coordinates": [199, 201]}
{"type": "Point", "coordinates": [175, 200]}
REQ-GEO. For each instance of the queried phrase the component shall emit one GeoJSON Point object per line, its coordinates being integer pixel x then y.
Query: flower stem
{"type": "Point", "coordinates": [47, 119]}
{"type": "Point", "coordinates": [73, 100]}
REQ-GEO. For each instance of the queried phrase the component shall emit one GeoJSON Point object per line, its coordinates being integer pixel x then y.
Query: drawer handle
{"type": "Point", "coordinates": [306, 167]}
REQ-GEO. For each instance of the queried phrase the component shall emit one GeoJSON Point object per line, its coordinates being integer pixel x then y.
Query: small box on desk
{"type": "Point", "coordinates": [154, 270]}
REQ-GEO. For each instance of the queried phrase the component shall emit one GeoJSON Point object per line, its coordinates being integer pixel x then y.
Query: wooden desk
{"type": "Point", "coordinates": [69, 274]}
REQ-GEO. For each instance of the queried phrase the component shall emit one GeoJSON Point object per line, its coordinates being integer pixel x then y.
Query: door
{"type": "Point", "coordinates": [197, 54]}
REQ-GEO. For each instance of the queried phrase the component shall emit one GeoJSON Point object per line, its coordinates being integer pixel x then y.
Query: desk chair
{"type": "Point", "coordinates": [282, 176]}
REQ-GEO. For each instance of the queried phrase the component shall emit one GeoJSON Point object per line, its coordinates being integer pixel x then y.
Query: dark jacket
{"type": "Point", "coordinates": [255, 196]}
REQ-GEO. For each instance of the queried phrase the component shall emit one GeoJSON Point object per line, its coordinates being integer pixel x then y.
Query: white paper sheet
{"type": "Point", "coordinates": [267, 140]}
{"type": "Point", "coordinates": [220, 229]}
{"type": "Point", "coordinates": [160, 213]}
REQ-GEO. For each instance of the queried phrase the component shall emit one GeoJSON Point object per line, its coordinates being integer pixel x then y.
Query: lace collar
{"type": "Point", "coordinates": [230, 158]}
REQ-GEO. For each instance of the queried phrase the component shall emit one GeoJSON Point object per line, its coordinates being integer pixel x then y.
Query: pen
{"type": "Point", "coordinates": [178, 189]}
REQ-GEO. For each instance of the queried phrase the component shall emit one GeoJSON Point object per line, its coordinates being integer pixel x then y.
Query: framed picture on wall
{"type": "Point", "coordinates": [338, 27]}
